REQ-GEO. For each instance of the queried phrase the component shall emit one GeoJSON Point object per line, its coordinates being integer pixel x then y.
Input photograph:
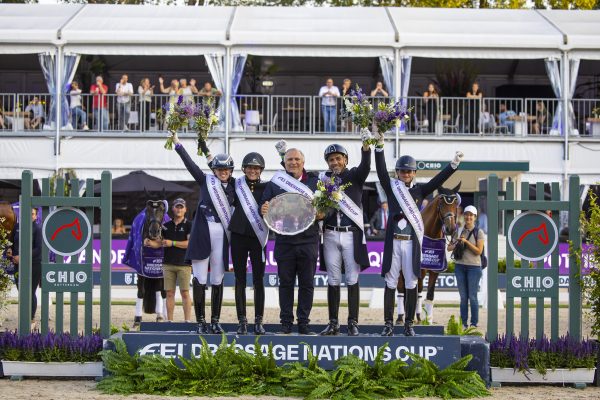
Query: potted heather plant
{"type": "Point", "coordinates": [566, 360]}
{"type": "Point", "coordinates": [53, 354]}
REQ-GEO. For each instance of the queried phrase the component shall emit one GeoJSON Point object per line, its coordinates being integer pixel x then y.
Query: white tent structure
{"type": "Point", "coordinates": [225, 35]}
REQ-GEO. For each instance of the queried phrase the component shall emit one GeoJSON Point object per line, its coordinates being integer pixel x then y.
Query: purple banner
{"type": "Point", "coordinates": [375, 249]}
{"type": "Point", "coordinates": [433, 255]}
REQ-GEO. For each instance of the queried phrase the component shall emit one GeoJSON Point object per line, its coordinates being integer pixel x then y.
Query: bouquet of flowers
{"type": "Point", "coordinates": [596, 112]}
{"type": "Point", "coordinates": [329, 192]}
{"type": "Point", "coordinates": [389, 115]}
{"type": "Point", "coordinates": [359, 109]}
{"type": "Point", "coordinates": [202, 115]}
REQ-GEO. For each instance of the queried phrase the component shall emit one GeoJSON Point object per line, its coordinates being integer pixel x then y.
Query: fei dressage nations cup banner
{"type": "Point", "coordinates": [442, 350]}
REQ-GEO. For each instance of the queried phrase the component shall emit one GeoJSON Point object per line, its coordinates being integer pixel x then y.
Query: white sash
{"type": "Point", "coordinates": [409, 207]}
{"type": "Point", "coordinates": [220, 203]}
{"type": "Point", "coordinates": [251, 209]}
{"type": "Point", "coordinates": [351, 209]}
{"type": "Point", "coordinates": [291, 184]}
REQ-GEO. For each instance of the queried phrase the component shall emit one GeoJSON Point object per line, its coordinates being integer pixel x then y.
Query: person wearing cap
{"type": "Point", "coordinates": [176, 270]}
{"type": "Point", "coordinates": [296, 255]}
{"type": "Point", "coordinates": [249, 236]}
{"type": "Point", "coordinates": [402, 248]}
{"type": "Point", "coordinates": [209, 238]}
{"type": "Point", "coordinates": [344, 246]}
{"type": "Point", "coordinates": [468, 266]}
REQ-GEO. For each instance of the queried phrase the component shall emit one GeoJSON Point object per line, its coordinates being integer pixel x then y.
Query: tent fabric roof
{"type": "Point", "coordinates": [32, 28]}
{"type": "Point", "coordinates": [144, 30]}
{"type": "Point", "coordinates": [475, 33]}
{"type": "Point", "coordinates": [298, 31]}
{"type": "Point", "coordinates": [581, 28]}
{"type": "Point", "coordinates": [307, 31]}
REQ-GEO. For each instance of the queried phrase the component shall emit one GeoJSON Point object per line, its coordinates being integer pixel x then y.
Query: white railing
{"type": "Point", "coordinates": [277, 114]}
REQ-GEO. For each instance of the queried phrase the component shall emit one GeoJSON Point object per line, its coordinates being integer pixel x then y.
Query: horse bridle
{"type": "Point", "coordinates": [449, 199]}
{"type": "Point", "coordinates": [153, 221]}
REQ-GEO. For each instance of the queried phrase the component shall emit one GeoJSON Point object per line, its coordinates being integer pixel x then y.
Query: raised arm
{"type": "Point", "coordinates": [382, 173]}
{"type": "Point", "coordinates": [363, 169]}
{"type": "Point", "coordinates": [191, 166]}
{"type": "Point", "coordinates": [442, 176]}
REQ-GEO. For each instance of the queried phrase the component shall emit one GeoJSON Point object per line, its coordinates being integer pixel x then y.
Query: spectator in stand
{"type": "Point", "coordinates": [186, 91]}
{"type": "Point", "coordinates": [431, 99]}
{"type": "Point", "coordinates": [3, 124]}
{"type": "Point", "coordinates": [347, 125]}
{"type": "Point", "coordinates": [379, 91]}
{"type": "Point", "coordinates": [172, 91]}
{"type": "Point", "coordinates": [78, 116]}
{"type": "Point", "coordinates": [472, 118]}
{"type": "Point", "coordinates": [118, 227]}
{"type": "Point", "coordinates": [209, 91]}
{"type": "Point", "coordinates": [487, 123]}
{"type": "Point", "coordinates": [38, 115]}
{"type": "Point", "coordinates": [506, 118]}
{"type": "Point", "coordinates": [540, 118]}
{"type": "Point", "coordinates": [100, 104]}
{"type": "Point", "coordinates": [329, 93]}
{"type": "Point", "coordinates": [124, 91]}
{"type": "Point", "coordinates": [379, 220]}
{"type": "Point", "coordinates": [146, 92]}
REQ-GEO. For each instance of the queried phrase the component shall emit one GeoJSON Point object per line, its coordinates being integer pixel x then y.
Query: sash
{"type": "Point", "coordinates": [251, 210]}
{"type": "Point", "coordinates": [409, 207]}
{"type": "Point", "coordinates": [219, 200]}
{"type": "Point", "coordinates": [433, 254]}
{"type": "Point", "coordinates": [291, 184]}
{"type": "Point", "coordinates": [351, 209]}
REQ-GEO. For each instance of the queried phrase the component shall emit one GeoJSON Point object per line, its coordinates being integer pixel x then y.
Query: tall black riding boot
{"type": "Point", "coordinates": [199, 303]}
{"type": "Point", "coordinates": [353, 307]}
{"type": "Point", "coordinates": [411, 307]}
{"type": "Point", "coordinates": [389, 296]}
{"type": "Point", "coordinates": [216, 300]}
{"type": "Point", "coordinates": [333, 303]}
{"type": "Point", "coordinates": [240, 307]}
{"type": "Point", "coordinates": [259, 309]}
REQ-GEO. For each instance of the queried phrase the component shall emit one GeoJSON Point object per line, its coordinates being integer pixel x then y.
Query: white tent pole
{"type": "Point", "coordinates": [57, 99]}
{"type": "Point", "coordinates": [397, 92]}
{"type": "Point", "coordinates": [564, 66]}
{"type": "Point", "coordinates": [227, 88]}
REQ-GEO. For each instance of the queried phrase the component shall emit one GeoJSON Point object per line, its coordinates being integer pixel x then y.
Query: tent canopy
{"type": "Point", "coordinates": [147, 30]}
{"type": "Point", "coordinates": [313, 32]}
{"type": "Point", "coordinates": [474, 33]}
{"type": "Point", "coordinates": [582, 30]}
{"type": "Point", "coordinates": [32, 28]}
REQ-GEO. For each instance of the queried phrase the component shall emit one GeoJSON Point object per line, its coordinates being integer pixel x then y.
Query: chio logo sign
{"type": "Point", "coordinates": [67, 277]}
{"type": "Point", "coordinates": [429, 165]}
{"type": "Point", "coordinates": [532, 282]}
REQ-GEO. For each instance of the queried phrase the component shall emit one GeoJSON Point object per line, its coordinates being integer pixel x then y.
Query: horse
{"type": "Point", "coordinates": [155, 213]}
{"type": "Point", "coordinates": [440, 220]}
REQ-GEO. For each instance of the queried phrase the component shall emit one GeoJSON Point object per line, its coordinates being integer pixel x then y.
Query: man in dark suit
{"type": "Point", "coordinates": [296, 255]}
{"type": "Point", "coordinates": [379, 220]}
{"type": "Point", "coordinates": [402, 249]}
{"type": "Point", "coordinates": [344, 246]}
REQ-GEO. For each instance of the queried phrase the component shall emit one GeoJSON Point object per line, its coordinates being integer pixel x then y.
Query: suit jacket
{"type": "Point", "coordinates": [284, 244]}
{"type": "Point", "coordinates": [239, 221]}
{"type": "Point", "coordinates": [357, 176]}
{"type": "Point", "coordinates": [418, 193]}
{"type": "Point", "coordinates": [200, 243]}
{"type": "Point", "coordinates": [376, 220]}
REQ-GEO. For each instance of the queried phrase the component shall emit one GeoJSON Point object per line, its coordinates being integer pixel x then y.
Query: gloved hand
{"type": "Point", "coordinates": [209, 158]}
{"type": "Point", "coordinates": [457, 159]}
{"type": "Point", "coordinates": [365, 135]}
{"type": "Point", "coordinates": [174, 137]}
{"type": "Point", "coordinates": [281, 147]}
{"type": "Point", "coordinates": [379, 137]}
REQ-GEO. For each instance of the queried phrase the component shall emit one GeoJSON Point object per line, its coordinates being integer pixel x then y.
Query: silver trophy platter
{"type": "Point", "coordinates": [290, 214]}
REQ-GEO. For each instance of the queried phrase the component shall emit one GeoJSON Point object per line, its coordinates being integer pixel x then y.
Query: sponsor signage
{"type": "Point", "coordinates": [442, 350]}
{"type": "Point", "coordinates": [67, 277]}
{"type": "Point", "coordinates": [66, 231]}
{"type": "Point", "coordinates": [524, 282]}
{"type": "Point", "coordinates": [532, 235]}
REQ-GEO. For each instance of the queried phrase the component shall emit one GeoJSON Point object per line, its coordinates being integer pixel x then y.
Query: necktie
{"type": "Point", "coordinates": [384, 220]}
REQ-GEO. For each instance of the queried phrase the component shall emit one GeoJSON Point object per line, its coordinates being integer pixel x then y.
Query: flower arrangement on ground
{"type": "Point", "coordinates": [523, 354]}
{"type": "Point", "coordinates": [58, 347]}
{"type": "Point", "coordinates": [201, 116]}
{"type": "Point", "coordinates": [390, 115]}
{"type": "Point", "coordinates": [329, 193]}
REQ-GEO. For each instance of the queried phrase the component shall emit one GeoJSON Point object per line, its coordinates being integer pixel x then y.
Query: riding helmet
{"type": "Point", "coordinates": [221, 161]}
{"type": "Point", "coordinates": [253, 159]}
{"type": "Point", "coordinates": [335, 148]}
{"type": "Point", "coordinates": [406, 162]}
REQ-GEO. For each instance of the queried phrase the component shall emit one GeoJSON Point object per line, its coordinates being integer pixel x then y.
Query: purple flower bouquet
{"type": "Point", "coordinates": [329, 192]}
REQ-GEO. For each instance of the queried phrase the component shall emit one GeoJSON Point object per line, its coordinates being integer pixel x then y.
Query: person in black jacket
{"type": "Point", "coordinates": [245, 241]}
{"type": "Point", "coordinates": [402, 248]}
{"type": "Point", "coordinates": [209, 243]}
{"type": "Point", "coordinates": [344, 245]}
{"type": "Point", "coordinates": [296, 255]}
{"type": "Point", "coordinates": [36, 259]}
